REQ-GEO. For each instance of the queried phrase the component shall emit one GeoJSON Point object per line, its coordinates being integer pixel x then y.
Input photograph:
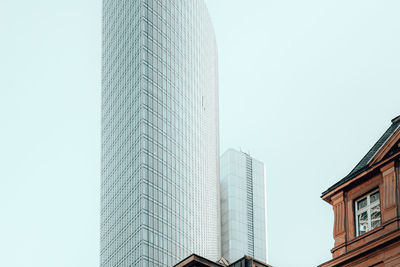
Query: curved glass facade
{"type": "Point", "coordinates": [160, 140]}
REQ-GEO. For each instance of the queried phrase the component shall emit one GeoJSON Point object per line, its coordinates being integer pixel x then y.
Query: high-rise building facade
{"type": "Point", "coordinates": [243, 206]}
{"type": "Point", "coordinates": [160, 140]}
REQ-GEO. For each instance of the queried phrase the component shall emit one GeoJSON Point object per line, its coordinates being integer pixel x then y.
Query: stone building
{"type": "Point", "coordinates": [366, 207]}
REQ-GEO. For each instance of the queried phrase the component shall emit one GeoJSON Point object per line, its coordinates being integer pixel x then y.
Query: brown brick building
{"type": "Point", "coordinates": [366, 207]}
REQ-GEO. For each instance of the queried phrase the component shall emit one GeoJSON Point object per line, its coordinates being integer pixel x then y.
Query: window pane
{"type": "Point", "coordinates": [368, 213]}
{"type": "Point", "coordinates": [375, 217]}
{"type": "Point", "coordinates": [362, 203]}
{"type": "Point", "coordinates": [374, 197]}
{"type": "Point", "coordinates": [362, 223]}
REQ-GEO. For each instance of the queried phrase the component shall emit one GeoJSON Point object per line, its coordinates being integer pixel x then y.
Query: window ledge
{"type": "Point", "coordinates": [358, 238]}
{"type": "Point", "coordinates": [373, 231]}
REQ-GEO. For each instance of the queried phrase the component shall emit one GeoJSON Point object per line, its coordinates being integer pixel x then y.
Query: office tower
{"type": "Point", "coordinates": [160, 146]}
{"type": "Point", "coordinates": [243, 208]}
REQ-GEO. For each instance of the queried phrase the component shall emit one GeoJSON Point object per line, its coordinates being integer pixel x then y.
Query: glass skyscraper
{"type": "Point", "coordinates": [243, 206]}
{"type": "Point", "coordinates": [160, 140]}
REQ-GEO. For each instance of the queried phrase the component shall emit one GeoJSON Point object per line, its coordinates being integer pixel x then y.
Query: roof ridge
{"type": "Point", "coordinates": [396, 119]}
{"type": "Point", "coordinates": [366, 159]}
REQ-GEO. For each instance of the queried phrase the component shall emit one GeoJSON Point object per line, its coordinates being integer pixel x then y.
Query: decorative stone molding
{"type": "Point", "coordinates": [388, 192]}
{"type": "Point", "coordinates": [339, 233]}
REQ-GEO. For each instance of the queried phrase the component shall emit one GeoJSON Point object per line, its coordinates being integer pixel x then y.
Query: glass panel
{"type": "Point", "coordinates": [375, 217]}
{"type": "Point", "coordinates": [362, 223]}
{"type": "Point", "coordinates": [374, 197]}
{"type": "Point", "coordinates": [362, 203]}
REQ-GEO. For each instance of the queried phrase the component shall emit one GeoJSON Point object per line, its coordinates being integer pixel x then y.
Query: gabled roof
{"type": "Point", "coordinates": [223, 261]}
{"type": "Point", "coordinates": [364, 164]}
{"type": "Point", "coordinates": [198, 261]}
{"type": "Point", "coordinates": [195, 260]}
{"type": "Point", "coordinates": [247, 261]}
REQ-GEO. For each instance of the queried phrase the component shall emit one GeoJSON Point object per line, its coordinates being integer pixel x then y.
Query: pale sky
{"type": "Point", "coordinates": [305, 86]}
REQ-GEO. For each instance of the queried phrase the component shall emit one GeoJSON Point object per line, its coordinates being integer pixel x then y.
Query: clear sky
{"type": "Point", "coordinates": [305, 86]}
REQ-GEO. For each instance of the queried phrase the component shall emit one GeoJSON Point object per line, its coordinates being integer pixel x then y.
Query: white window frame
{"type": "Point", "coordinates": [367, 209]}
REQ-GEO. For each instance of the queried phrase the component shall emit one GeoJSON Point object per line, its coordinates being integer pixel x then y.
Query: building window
{"type": "Point", "coordinates": [368, 213]}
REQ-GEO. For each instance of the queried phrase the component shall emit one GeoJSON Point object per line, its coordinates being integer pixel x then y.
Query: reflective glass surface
{"type": "Point", "coordinates": [375, 217]}
{"type": "Point", "coordinates": [368, 213]}
{"type": "Point", "coordinates": [374, 197]}
{"type": "Point", "coordinates": [362, 203]}
{"type": "Point", "coordinates": [160, 146]}
{"type": "Point", "coordinates": [242, 206]}
{"type": "Point", "coordinates": [363, 222]}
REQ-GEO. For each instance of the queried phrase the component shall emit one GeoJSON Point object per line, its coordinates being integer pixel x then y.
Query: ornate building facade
{"type": "Point", "coordinates": [366, 207]}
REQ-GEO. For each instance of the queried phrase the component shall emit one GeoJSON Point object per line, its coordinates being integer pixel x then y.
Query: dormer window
{"type": "Point", "coordinates": [368, 213]}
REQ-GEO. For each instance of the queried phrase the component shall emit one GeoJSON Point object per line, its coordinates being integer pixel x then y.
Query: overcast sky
{"type": "Point", "coordinates": [305, 86]}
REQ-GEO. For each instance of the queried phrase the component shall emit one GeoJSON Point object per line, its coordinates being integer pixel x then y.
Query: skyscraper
{"type": "Point", "coordinates": [160, 140]}
{"type": "Point", "coordinates": [243, 206]}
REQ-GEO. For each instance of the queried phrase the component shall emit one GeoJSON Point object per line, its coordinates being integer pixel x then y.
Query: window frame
{"type": "Point", "coordinates": [368, 208]}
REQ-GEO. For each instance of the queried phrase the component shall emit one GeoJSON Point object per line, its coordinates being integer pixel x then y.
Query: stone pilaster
{"type": "Point", "coordinates": [388, 194]}
{"type": "Point", "coordinates": [339, 233]}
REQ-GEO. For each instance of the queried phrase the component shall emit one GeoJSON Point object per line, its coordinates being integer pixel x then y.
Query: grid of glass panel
{"type": "Point", "coordinates": [160, 164]}
{"type": "Point", "coordinates": [243, 207]}
{"type": "Point", "coordinates": [368, 213]}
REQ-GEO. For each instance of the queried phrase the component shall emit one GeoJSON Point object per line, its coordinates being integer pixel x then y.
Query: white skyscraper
{"type": "Point", "coordinates": [243, 206]}
{"type": "Point", "coordinates": [160, 140]}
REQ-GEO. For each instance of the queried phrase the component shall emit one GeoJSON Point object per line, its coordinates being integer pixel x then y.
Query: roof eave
{"type": "Point", "coordinates": [370, 163]}
{"type": "Point", "coordinates": [326, 196]}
